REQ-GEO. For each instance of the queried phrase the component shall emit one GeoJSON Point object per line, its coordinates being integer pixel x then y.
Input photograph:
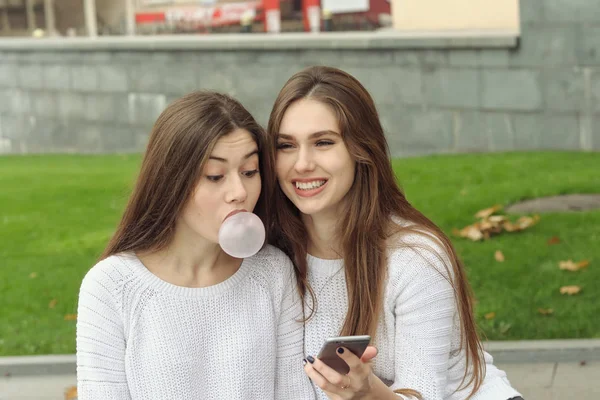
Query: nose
{"type": "Point", "coordinates": [305, 161]}
{"type": "Point", "coordinates": [236, 191]}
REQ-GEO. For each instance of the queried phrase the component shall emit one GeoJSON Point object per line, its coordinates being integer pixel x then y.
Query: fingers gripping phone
{"type": "Point", "coordinates": [328, 354]}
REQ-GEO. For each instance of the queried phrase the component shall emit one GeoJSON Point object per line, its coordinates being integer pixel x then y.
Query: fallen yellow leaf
{"type": "Point", "coordinates": [569, 265]}
{"type": "Point", "coordinates": [52, 303]}
{"type": "Point", "coordinates": [570, 290]}
{"type": "Point", "coordinates": [488, 211]}
{"type": "Point", "coordinates": [490, 315]}
{"type": "Point", "coordinates": [71, 393]}
{"type": "Point", "coordinates": [33, 275]}
{"type": "Point", "coordinates": [499, 256]}
{"type": "Point", "coordinates": [70, 317]}
{"type": "Point", "coordinates": [545, 311]}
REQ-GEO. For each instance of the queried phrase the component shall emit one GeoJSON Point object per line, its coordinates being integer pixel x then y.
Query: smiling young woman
{"type": "Point", "coordinates": [367, 260]}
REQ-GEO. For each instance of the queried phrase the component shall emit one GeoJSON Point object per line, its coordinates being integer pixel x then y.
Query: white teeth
{"type": "Point", "coordinates": [309, 185]}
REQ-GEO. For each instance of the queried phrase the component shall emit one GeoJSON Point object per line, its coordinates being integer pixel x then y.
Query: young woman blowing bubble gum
{"type": "Point", "coordinates": [369, 262]}
{"type": "Point", "coordinates": [166, 313]}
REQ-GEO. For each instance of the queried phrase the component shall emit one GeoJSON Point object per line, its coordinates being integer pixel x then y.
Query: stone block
{"type": "Point", "coordinates": [65, 136]}
{"type": "Point", "coordinates": [412, 130]}
{"type": "Point", "coordinates": [589, 46]}
{"type": "Point", "coordinates": [41, 138]}
{"type": "Point", "coordinates": [470, 132]}
{"type": "Point", "coordinates": [97, 58]}
{"type": "Point", "coordinates": [222, 80]}
{"type": "Point", "coordinates": [564, 88]}
{"type": "Point", "coordinates": [392, 85]}
{"type": "Point", "coordinates": [463, 58]}
{"type": "Point", "coordinates": [100, 107]}
{"type": "Point", "coordinates": [365, 58]}
{"type": "Point", "coordinates": [500, 131]}
{"type": "Point", "coordinates": [30, 76]}
{"type": "Point", "coordinates": [44, 104]}
{"type": "Point", "coordinates": [406, 57]}
{"type": "Point", "coordinates": [71, 106]}
{"type": "Point", "coordinates": [18, 102]}
{"type": "Point", "coordinates": [146, 78]}
{"type": "Point", "coordinates": [543, 46]}
{"type": "Point", "coordinates": [180, 79]}
{"type": "Point", "coordinates": [56, 77]}
{"type": "Point", "coordinates": [550, 132]}
{"type": "Point", "coordinates": [511, 90]}
{"type": "Point", "coordinates": [531, 11]}
{"type": "Point", "coordinates": [457, 88]}
{"type": "Point", "coordinates": [8, 75]}
{"type": "Point", "coordinates": [264, 83]}
{"type": "Point", "coordinates": [595, 135]}
{"type": "Point", "coordinates": [88, 137]}
{"type": "Point", "coordinates": [571, 11]}
{"type": "Point", "coordinates": [84, 78]}
{"type": "Point", "coordinates": [496, 57]}
{"type": "Point", "coordinates": [113, 78]}
{"type": "Point", "coordinates": [119, 139]}
{"type": "Point", "coordinates": [12, 127]}
{"type": "Point", "coordinates": [144, 109]}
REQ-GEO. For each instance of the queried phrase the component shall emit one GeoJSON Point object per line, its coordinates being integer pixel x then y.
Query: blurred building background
{"type": "Point", "coordinates": [67, 17]}
{"type": "Point", "coordinates": [480, 75]}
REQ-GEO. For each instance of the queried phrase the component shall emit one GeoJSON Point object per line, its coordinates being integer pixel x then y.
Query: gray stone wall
{"type": "Point", "coordinates": [434, 96]}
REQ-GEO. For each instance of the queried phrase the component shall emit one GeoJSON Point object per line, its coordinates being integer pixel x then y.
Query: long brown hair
{"type": "Point", "coordinates": [181, 141]}
{"type": "Point", "coordinates": [372, 202]}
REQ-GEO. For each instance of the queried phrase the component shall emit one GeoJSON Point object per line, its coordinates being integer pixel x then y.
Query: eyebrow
{"type": "Point", "coordinates": [247, 156]}
{"type": "Point", "coordinates": [312, 135]}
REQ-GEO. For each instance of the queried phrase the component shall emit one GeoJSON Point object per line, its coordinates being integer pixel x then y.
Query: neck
{"type": "Point", "coordinates": [323, 241]}
{"type": "Point", "coordinates": [191, 261]}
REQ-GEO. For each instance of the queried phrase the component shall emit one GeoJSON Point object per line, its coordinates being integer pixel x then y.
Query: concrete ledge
{"type": "Point", "coordinates": [38, 365]}
{"type": "Point", "coordinates": [533, 351]}
{"type": "Point", "coordinates": [523, 351]}
{"type": "Point", "coordinates": [384, 39]}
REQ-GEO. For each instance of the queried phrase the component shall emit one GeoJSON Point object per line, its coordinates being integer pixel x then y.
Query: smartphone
{"type": "Point", "coordinates": [328, 353]}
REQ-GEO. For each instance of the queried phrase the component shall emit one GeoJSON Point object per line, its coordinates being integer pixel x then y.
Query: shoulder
{"type": "Point", "coordinates": [108, 275]}
{"type": "Point", "coordinates": [272, 266]}
{"type": "Point", "coordinates": [417, 251]}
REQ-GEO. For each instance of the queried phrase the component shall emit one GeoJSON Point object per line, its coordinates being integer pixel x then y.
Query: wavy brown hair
{"type": "Point", "coordinates": [374, 199]}
{"type": "Point", "coordinates": [181, 141]}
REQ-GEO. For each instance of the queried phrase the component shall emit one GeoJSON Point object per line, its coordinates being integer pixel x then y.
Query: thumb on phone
{"type": "Point", "coordinates": [369, 354]}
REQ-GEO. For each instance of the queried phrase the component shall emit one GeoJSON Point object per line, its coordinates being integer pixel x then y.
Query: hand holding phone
{"type": "Point", "coordinates": [355, 344]}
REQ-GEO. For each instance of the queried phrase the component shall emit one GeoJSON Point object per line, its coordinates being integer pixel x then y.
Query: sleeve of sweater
{"type": "Point", "coordinates": [100, 337]}
{"type": "Point", "coordinates": [425, 308]}
{"type": "Point", "coordinates": [291, 382]}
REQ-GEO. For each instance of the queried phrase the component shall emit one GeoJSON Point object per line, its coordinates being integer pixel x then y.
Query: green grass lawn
{"type": "Point", "coordinates": [57, 213]}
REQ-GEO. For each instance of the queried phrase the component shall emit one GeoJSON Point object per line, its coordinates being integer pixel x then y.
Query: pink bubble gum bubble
{"type": "Point", "coordinates": [242, 235]}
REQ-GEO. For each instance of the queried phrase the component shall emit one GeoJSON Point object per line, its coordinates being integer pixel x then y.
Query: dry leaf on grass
{"type": "Point", "coordinates": [70, 317]}
{"type": "Point", "coordinates": [554, 240]}
{"type": "Point", "coordinates": [485, 213]}
{"type": "Point", "coordinates": [504, 327]}
{"type": "Point", "coordinates": [33, 275]}
{"type": "Point", "coordinates": [71, 393]}
{"type": "Point", "coordinates": [569, 265]}
{"type": "Point", "coordinates": [545, 311]}
{"type": "Point", "coordinates": [570, 290]}
{"type": "Point", "coordinates": [490, 225]}
{"type": "Point", "coordinates": [490, 315]}
{"type": "Point", "coordinates": [499, 256]}
{"type": "Point", "coordinates": [52, 303]}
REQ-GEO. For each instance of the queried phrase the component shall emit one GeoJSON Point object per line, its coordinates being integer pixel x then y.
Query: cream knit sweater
{"type": "Point", "coordinates": [139, 337]}
{"type": "Point", "coordinates": [418, 335]}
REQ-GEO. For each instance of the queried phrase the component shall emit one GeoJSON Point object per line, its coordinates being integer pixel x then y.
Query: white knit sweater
{"type": "Point", "coordinates": [139, 337]}
{"type": "Point", "coordinates": [418, 334]}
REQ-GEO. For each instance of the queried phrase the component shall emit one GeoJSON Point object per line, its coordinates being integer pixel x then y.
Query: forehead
{"type": "Point", "coordinates": [239, 138]}
{"type": "Point", "coordinates": [307, 116]}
